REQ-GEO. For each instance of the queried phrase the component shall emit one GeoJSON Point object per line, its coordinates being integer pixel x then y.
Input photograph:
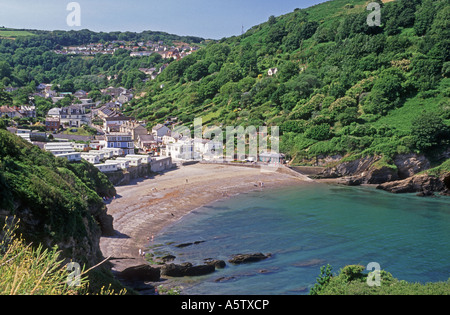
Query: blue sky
{"type": "Point", "coordinates": [205, 18]}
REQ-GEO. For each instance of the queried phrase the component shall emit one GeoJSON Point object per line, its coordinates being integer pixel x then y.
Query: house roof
{"type": "Point", "coordinates": [54, 111]}
{"type": "Point", "coordinates": [6, 109]}
{"type": "Point", "coordinates": [146, 138]}
{"type": "Point", "coordinates": [158, 126]}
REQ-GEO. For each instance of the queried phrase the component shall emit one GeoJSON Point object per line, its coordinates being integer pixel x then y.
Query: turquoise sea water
{"type": "Point", "coordinates": [307, 227]}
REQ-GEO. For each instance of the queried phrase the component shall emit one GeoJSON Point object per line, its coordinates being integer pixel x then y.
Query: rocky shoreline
{"type": "Point", "coordinates": [407, 174]}
{"type": "Point", "coordinates": [145, 207]}
{"type": "Point", "coordinates": [146, 277]}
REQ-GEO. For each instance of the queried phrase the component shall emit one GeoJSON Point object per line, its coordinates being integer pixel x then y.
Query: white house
{"type": "Point", "coordinates": [105, 168]}
{"type": "Point", "coordinates": [122, 141]}
{"type": "Point", "coordinates": [79, 146]}
{"type": "Point", "coordinates": [182, 150]}
{"type": "Point", "coordinates": [208, 149]}
{"type": "Point", "coordinates": [159, 131]}
{"type": "Point", "coordinates": [115, 151]}
{"type": "Point", "coordinates": [99, 153]}
{"type": "Point", "coordinates": [71, 157]}
{"type": "Point", "coordinates": [123, 165]}
{"type": "Point", "coordinates": [91, 158]}
{"type": "Point", "coordinates": [74, 116]}
{"type": "Point", "coordinates": [145, 159]}
{"type": "Point", "coordinates": [132, 161]}
{"type": "Point", "coordinates": [24, 134]}
{"type": "Point", "coordinates": [107, 154]}
{"type": "Point", "coordinates": [57, 148]}
{"type": "Point", "coordinates": [54, 113]}
{"type": "Point", "coordinates": [171, 138]}
{"type": "Point", "coordinates": [272, 71]}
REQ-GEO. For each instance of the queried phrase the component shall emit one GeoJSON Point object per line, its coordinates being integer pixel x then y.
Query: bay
{"type": "Point", "coordinates": [305, 228]}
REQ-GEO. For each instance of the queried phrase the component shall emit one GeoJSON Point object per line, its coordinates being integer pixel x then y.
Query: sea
{"type": "Point", "coordinates": [305, 228]}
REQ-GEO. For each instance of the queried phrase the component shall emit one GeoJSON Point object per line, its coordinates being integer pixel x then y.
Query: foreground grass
{"type": "Point", "coordinates": [29, 270]}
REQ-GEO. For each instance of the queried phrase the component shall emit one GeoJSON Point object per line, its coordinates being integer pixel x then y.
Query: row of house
{"type": "Point", "coordinates": [16, 111]}
{"type": "Point", "coordinates": [105, 159]}
{"type": "Point", "coordinates": [140, 47]}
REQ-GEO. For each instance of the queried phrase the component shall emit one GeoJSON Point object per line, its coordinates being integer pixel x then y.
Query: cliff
{"type": "Point", "coordinates": [58, 203]}
{"type": "Point", "coordinates": [406, 173]}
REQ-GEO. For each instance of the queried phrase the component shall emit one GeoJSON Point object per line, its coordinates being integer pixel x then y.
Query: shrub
{"type": "Point", "coordinates": [319, 132]}
{"type": "Point", "coordinates": [353, 281]}
{"type": "Point", "coordinates": [429, 132]}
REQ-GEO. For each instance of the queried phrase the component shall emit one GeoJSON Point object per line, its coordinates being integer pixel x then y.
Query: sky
{"type": "Point", "coordinates": [213, 19]}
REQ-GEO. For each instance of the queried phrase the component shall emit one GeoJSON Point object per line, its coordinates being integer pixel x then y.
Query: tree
{"type": "Point", "coordinates": [429, 133]}
{"type": "Point", "coordinates": [5, 70]}
{"type": "Point", "coordinates": [272, 20]}
{"type": "Point", "coordinates": [288, 70]}
{"type": "Point", "coordinates": [386, 93]}
{"type": "Point", "coordinates": [196, 71]}
{"type": "Point", "coordinates": [5, 98]}
{"type": "Point", "coordinates": [320, 132]}
{"type": "Point", "coordinates": [323, 280]}
{"type": "Point", "coordinates": [424, 17]}
{"type": "Point", "coordinates": [67, 86]}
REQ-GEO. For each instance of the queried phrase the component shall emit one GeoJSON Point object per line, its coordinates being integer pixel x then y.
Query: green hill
{"type": "Point", "coordinates": [342, 87]}
{"type": "Point", "coordinates": [58, 203]}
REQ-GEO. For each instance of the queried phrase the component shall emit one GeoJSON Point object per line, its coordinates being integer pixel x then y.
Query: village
{"type": "Point", "coordinates": [118, 142]}
{"type": "Point", "coordinates": [176, 51]}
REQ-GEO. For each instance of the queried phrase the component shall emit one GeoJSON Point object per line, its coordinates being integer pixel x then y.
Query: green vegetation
{"type": "Point", "coordinates": [27, 60]}
{"type": "Point", "coordinates": [352, 280]}
{"type": "Point", "coordinates": [28, 270]}
{"type": "Point", "coordinates": [63, 199]}
{"type": "Point", "coordinates": [342, 87]}
{"type": "Point", "coordinates": [59, 206]}
{"type": "Point", "coordinates": [8, 33]}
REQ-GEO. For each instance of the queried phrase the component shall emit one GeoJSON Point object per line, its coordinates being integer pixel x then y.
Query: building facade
{"type": "Point", "coordinates": [120, 140]}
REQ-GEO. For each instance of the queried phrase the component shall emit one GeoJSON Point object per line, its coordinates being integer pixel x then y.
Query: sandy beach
{"type": "Point", "coordinates": [146, 206]}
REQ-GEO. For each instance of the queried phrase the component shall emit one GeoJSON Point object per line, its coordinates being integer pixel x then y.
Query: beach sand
{"type": "Point", "coordinates": [146, 206]}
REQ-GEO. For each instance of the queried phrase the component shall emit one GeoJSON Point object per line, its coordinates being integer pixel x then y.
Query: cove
{"type": "Point", "coordinates": [307, 227]}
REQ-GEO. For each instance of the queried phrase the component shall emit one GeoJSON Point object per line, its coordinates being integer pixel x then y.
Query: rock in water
{"type": "Point", "coordinates": [248, 258]}
{"type": "Point", "coordinates": [141, 273]}
{"type": "Point", "coordinates": [186, 270]}
{"type": "Point", "coordinates": [220, 264]}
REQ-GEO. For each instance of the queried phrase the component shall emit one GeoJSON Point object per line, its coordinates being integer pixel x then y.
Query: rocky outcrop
{"type": "Point", "coordinates": [373, 170]}
{"type": "Point", "coordinates": [422, 184]}
{"type": "Point", "coordinates": [248, 258]}
{"type": "Point", "coordinates": [349, 168]}
{"type": "Point", "coordinates": [410, 164]}
{"type": "Point", "coordinates": [361, 171]}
